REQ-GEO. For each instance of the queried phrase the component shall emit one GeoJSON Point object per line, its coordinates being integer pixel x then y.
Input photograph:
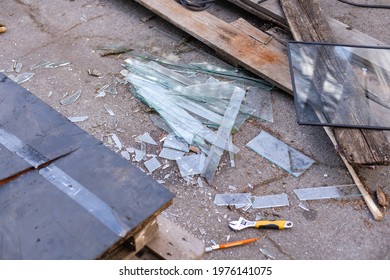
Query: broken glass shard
{"type": "Point", "coordinates": [152, 164]}
{"type": "Point", "coordinates": [173, 143]}
{"type": "Point", "coordinates": [147, 138]}
{"type": "Point", "coordinates": [159, 122]}
{"type": "Point", "coordinates": [191, 165]}
{"type": "Point", "coordinates": [108, 109]}
{"type": "Point", "coordinates": [39, 64]}
{"type": "Point", "coordinates": [94, 72]}
{"type": "Point", "coordinates": [117, 142]}
{"type": "Point", "coordinates": [18, 67]}
{"type": "Point", "coordinates": [23, 77]}
{"type": "Point", "coordinates": [326, 192]}
{"type": "Point", "coordinates": [139, 155]}
{"type": "Point", "coordinates": [78, 119]}
{"type": "Point", "coordinates": [170, 154]}
{"type": "Point", "coordinates": [57, 64]}
{"type": "Point", "coordinates": [261, 102]}
{"type": "Point", "coordinates": [223, 135]}
{"type": "Point", "coordinates": [268, 201]}
{"type": "Point", "coordinates": [338, 85]}
{"type": "Point", "coordinates": [279, 153]}
{"type": "Point", "coordinates": [267, 254]}
{"type": "Point", "coordinates": [126, 155]}
{"type": "Point", "coordinates": [71, 99]}
{"type": "Point", "coordinates": [238, 200]}
{"type": "Point", "coordinates": [111, 89]}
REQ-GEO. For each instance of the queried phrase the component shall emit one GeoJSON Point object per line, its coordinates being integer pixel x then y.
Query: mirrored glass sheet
{"type": "Point", "coordinates": [338, 85]}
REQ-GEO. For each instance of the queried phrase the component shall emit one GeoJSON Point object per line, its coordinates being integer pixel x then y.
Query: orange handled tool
{"type": "Point", "coordinates": [231, 244]}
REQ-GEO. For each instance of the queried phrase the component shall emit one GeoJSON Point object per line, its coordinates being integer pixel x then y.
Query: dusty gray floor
{"type": "Point", "coordinates": [71, 31]}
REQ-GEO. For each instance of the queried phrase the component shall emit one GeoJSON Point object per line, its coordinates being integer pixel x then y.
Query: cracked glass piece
{"type": "Point", "coordinates": [39, 64]}
{"type": "Point", "coordinates": [152, 164]}
{"type": "Point", "coordinates": [191, 165]}
{"type": "Point", "coordinates": [159, 122]}
{"type": "Point", "coordinates": [117, 142]}
{"type": "Point", "coordinates": [23, 77]}
{"type": "Point", "coordinates": [126, 155]}
{"type": "Point", "coordinates": [206, 68]}
{"type": "Point", "coordinates": [108, 109]}
{"type": "Point", "coordinates": [326, 192]}
{"type": "Point", "coordinates": [238, 200]}
{"type": "Point", "coordinates": [170, 154]}
{"type": "Point", "coordinates": [223, 135]}
{"type": "Point", "coordinates": [139, 155]}
{"type": "Point", "coordinates": [338, 85]}
{"type": "Point", "coordinates": [71, 99]}
{"type": "Point", "coordinates": [261, 102]}
{"type": "Point", "coordinates": [197, 109]}
{"type": "Point", "coordinates": [78, 119]}
{"type": "Point", "coordinates": [57, 64]}
{"type": "Point", "coordinates": [303, 206]}
{"type": "Point", "coordinates": [147, 138]}
{"type": "Point", "coordinates": [183, 124]}
{"type": "Point", "coordinates": [173, 143]}
{"type": "Point", "coordinates": [268, 201]}
{"type": "Point", "coordinates": [18, 67]}
{"type": "Point", "coordinates": [111, 89]}
{"type": "Point", "coordinates": [280, 154]}
{"type": "Point", "coordinates": [267, 254]}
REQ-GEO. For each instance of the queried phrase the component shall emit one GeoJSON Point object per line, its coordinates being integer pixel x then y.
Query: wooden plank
{"type": "Point", "coordinates": [174, 243]}
{"type": "Point", "coordinates": [342, 32]}
{"type": "Point", "coordinates": [268, 61]}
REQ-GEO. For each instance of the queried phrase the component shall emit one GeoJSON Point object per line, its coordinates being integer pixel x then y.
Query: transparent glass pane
{"type": "Point", "coordinates": [279, 153]}
{"type": "Point", "coordinates": [336, 85]}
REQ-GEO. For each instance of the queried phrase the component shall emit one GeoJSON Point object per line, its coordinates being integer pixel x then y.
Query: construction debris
{"type": "Point", "coordinates": [279, 153]}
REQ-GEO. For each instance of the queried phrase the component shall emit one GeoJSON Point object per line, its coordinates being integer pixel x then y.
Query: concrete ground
{"type": "Point", "coordinates": [71, 31]}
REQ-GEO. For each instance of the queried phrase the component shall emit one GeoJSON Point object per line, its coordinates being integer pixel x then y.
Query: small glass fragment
{"type": "Point", "coordinates": [102, 91]}
{"type": "Point", "coordinates": [267, 254]}
{"type": "Point", "coordinates": [57, 64]}
{"type": "Point", "coordinates": [23, 77]}
{"type": "Point", "coordinates": [170, 154]}
{"type": "Point", "coordinates": [78, 119]}
{"type": "Point", "coordinates": [202, 231]}
{"type": "Point", "coordinates": [18, 67]}
{"type": "Point", "coordinates": [232, 188]}
{"type": "Point", "coordinates": [152, 164]}
{"type": "Point", "coordinates": [343, 191]}
{"type": "Point", "coordinates": [111, 89]}
{"type": "Point", "coordinates": [147, 138]}
{"type": "Point", "coordinates": [94, 72]}
{"type": "Point", "coordinates": [279, 153]}
{"type": "Point", "coordinates": [238, 200]}
{"type": "Point", "coordinates": [160, 181]}
{"type": "Point", "coordinates": [108, 109]}
{"type": "Point", "coordinates": [71, 99]}
{"type": "Point", "coordinates": [130, 150]}
{"type": "Point", "coordinates": [268, 201]}
{"type": "Point", "coordinates": [223, 134]}
{"type": "Point", "coordinates": [139, 155]}
{"type": "Point", "coordinates": [116, 141]}
{"type": "Point", "coordinates": [302, 206]}
{"type": "Point", "coordinates": [191, 165]}
{"type": "Point", "coordinates": [39, 64]}
{"type": "Point", "coordinates": [200, 182]}
{"type": "Point", "coordinates": [172, 142]}
{"type": "Point", "coordinates": [126, 155]}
